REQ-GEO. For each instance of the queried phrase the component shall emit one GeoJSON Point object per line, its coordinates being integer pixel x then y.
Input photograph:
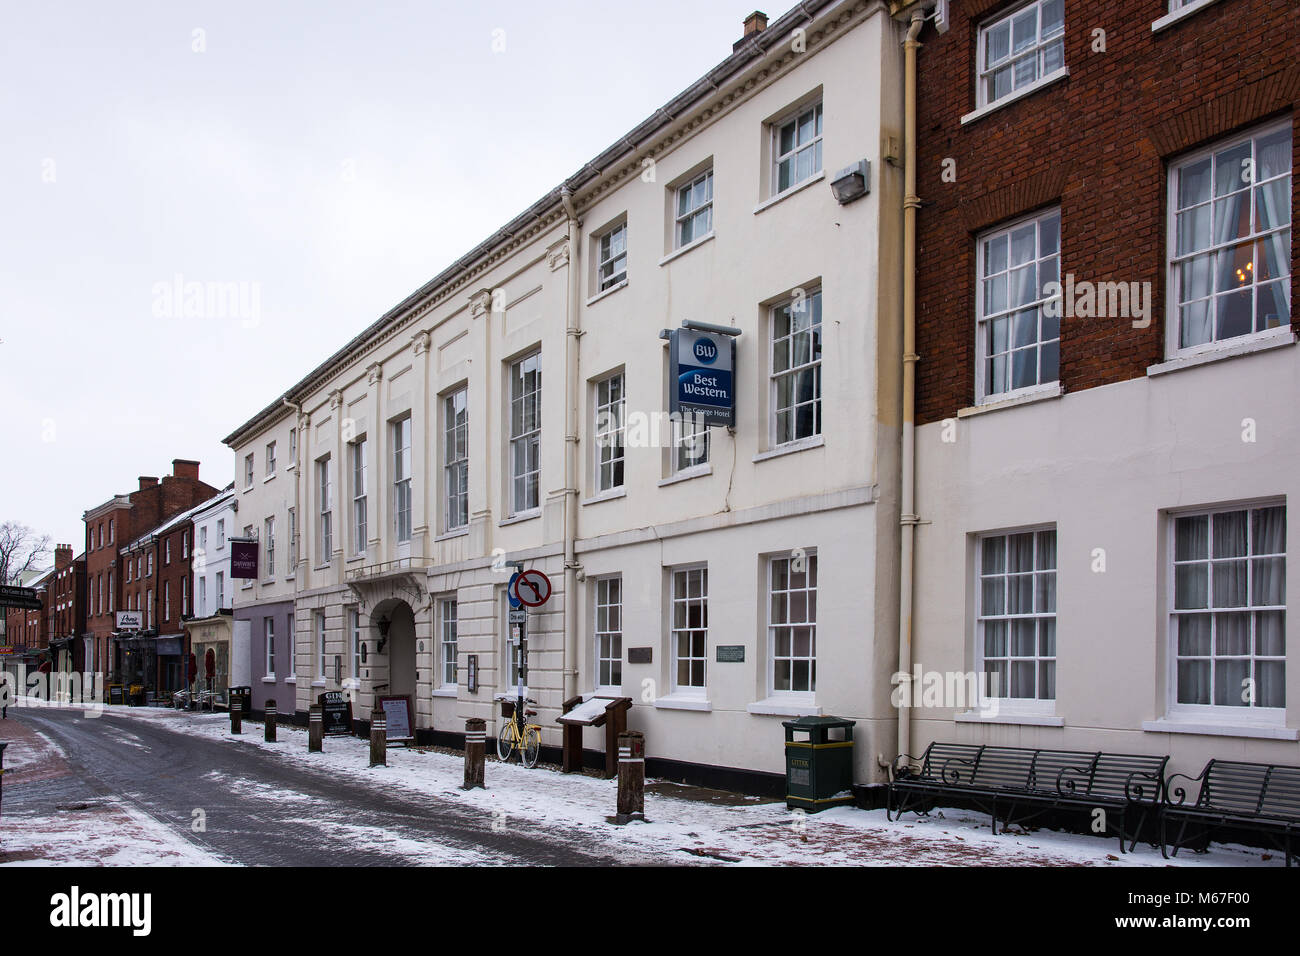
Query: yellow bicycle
{"type": "Point", "coordinates": [519, 734]}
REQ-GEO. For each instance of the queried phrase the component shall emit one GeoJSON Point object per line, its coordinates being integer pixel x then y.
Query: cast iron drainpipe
{"type": "Point", "coordinates": [908, 517]}
{"type": "Point", "coordinates": [572, 332]}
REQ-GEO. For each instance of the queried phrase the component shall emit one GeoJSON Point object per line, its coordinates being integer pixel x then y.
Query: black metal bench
{"type": "Point", "coordinates": [1249, 796]}
{"type": "Point", "coordinates": [1017, 783]}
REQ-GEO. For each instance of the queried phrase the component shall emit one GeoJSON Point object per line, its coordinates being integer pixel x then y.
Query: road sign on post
{"type": "Point", "coordinates": [532, 588]}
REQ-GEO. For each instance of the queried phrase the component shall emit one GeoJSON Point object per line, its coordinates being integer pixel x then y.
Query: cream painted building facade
{"type": "Point", "coordinates": [513, 409]}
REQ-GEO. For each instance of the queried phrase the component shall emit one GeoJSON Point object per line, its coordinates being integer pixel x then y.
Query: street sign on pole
{"type": "Point", "coordinates": [533, 588]}
{"type": "Point", "coordinates": [22, 598]}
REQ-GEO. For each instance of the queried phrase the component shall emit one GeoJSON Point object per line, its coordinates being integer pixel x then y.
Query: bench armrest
{"type": "Point", "coordinates": [949, 775]}
{"type": "Point", "coordinates": [904, 765]}
{"type": "Point", "coordinates": [1177, 796]}
{"type": "Point", "coordinates": [1137, 783]}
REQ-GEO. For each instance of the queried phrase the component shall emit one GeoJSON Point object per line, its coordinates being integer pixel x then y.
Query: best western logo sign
{"type": "Point", "coordinates": [130, 620]}
{"type": "Point", "coordinates": [703, 371]}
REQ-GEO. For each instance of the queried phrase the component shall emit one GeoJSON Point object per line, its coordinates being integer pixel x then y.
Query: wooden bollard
{"type": "Point", "coordinates": [631, 776]}
{"type": "Point", "coordinates": [475, 747]}
{"type": "Point", "coordinates": [270, 721]}
{"type": "Point", "coordinates": [315, 729]}
{"type": "Point", "coordinates": [378, 738]}
{"type": "Point", "coordinates": [236, 714]}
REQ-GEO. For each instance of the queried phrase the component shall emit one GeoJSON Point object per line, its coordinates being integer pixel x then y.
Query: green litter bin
{"type": "Point", "coordinates": [818, 762]}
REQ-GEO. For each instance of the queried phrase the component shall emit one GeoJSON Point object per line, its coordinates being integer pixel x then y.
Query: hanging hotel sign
{"type": "Point", "coordinates": [243, 558]}
{"type": "Point", "coordinates": [702, 365]}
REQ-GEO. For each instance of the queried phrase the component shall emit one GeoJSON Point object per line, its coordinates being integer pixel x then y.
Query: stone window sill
{"type": "Point", "coordinates": [523, 516]}
{"type": "Point", "coordinates": [1258, 731]}
{"type": "Point", "coordinates": [803, 444]}
{"type": "Point", "coordinates": [1280, 338]}
{"type": "Point", "coordinates": [1018, 95]}
{"type": "Point", "coordinates": [683, 702]}
{"type": "Point", "coordinates": [1169, 19]}
{"type": "Point", "coordinates": [607, 292]}
{"type": "Point", "coordinates": [686, 474]}
{"type": "Point", "coordinates": [784, 707]}
{"type": "Point", "coordinates": [1024, 720]}
{"type": "Point", "coordinates": [606, 496]}
{"type": "Point", "coordinates": [682, 250]}
{"type": "Point", "coordinates": [1038, 394]}
{"type": "Point", "coordinates": [781, 197]}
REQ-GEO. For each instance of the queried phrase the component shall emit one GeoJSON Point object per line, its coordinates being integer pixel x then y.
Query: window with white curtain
{"type": "Point", "coordinates": [1018, 333]}
{"type": "Point", "coordinates": [1230, 240]}
{"type": "Point", "coordinates": [1020, 48]}
{"type": "Point", "coordinates": [1227, 623]}
{"type": "Point", "coordinates": [1015, 623]}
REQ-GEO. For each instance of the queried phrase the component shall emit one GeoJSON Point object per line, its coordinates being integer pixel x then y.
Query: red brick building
{"type": "Point", "coordinates": [1107, 375]}
{"type": "Point", "coordinates": [66, 609]}
{"type": "Point", "coordinates": [158, 582]}
{"type": "Point", "coordinates": [110, 526]}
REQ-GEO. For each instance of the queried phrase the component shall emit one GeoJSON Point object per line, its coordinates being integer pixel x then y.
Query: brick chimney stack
{"type": "Point", "coordinates": [185, 468]}
{"type": "Point", "coordinates": [62, 555]}
{"type": "Point", "coordinates": [147, 481]}
{"type": "Point", "coordinates": [755, 23]}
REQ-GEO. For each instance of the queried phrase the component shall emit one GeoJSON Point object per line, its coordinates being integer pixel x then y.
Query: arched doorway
{"type": "Point", "coordinates": [392, 625]}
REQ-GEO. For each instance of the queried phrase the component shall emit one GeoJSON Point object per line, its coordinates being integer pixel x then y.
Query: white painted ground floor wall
{"type": "Point", "coordinates": [735, 722]}
{"type": "Point", "coordinates": [1106, 467]}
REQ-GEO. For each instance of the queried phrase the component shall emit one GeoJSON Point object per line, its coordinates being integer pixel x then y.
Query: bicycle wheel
{"type": "Point", "coordinates": [532, 745]}
{"type": "Point", "coordinates": [507, 740]}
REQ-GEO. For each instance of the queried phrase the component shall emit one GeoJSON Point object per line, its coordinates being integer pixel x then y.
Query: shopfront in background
{"type": "Point", "coordinates": [210, 640]}
{"type": "Point", "coordinates": [169, 651]}
{"type": "Point", "coordinates": [135, 666]}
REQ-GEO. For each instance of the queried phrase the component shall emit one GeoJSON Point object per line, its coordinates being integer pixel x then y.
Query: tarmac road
{"type": "Point", "coordinates": [261, 810]}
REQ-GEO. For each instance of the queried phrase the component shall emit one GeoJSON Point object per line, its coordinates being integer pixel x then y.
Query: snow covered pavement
{"type": "Point", "coordinates": [579, 809]}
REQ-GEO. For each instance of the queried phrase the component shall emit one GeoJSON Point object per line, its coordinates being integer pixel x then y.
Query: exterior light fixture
{"type": "Point", "coordinates": [852, 182]}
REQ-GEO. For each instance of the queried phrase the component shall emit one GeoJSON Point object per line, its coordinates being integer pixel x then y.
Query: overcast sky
{"type": "Point", "coordinates": [329, 156]}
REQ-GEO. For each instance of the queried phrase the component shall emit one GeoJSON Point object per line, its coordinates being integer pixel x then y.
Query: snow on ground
{"type": "Point", "coordinates": [92, 832]}
{"type": "Point", "coordinates": [581, 808]}
{"type": "Point", "coordinates": [97, 833]}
